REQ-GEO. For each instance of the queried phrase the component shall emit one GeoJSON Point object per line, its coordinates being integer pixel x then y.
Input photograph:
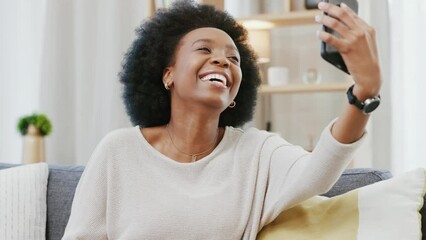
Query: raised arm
{"type": "Point", "coordinates": [357, 45]}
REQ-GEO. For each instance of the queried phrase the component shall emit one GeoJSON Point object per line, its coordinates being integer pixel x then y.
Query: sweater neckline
{"type": "Point", "coordinates": [159, 156]}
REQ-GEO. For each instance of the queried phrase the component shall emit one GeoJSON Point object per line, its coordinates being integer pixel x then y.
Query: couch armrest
{"type": "Point", "coordinates": [355, 178]}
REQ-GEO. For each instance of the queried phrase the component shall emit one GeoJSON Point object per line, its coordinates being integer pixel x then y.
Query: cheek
{"type": "Point", "coordinates": [187, 68]}
{"type": "Point", "coordinates": [238, 76]}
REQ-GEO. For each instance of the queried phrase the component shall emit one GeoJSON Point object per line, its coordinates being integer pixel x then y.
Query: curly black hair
{"type": "Point", "coordinates": [146, 100]}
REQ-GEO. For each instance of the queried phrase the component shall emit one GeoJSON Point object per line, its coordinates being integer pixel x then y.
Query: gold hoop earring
{"type": "Point", "coordinates": [166, 86]}
{"type": "Point", "coordinates": [232, 105]}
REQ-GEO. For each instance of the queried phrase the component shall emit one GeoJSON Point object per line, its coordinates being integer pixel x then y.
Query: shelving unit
{"type": "Point", "coordinates": [290, 18]}
{"type": "Point", "coordinates": [303, 88]}
{"type": "Point", "coordinates": [282, 20]}
{"type": "Point", "coordinates": [271, 21]}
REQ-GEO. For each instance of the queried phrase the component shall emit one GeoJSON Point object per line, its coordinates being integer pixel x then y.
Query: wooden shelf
{"type": "Point", "coordinates": [304, 88]}
{"type": "Point", "coordinates": [280, 20]}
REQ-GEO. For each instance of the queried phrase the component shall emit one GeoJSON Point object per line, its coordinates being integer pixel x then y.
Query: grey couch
{"type": "Point", "coordinates": [64, 179]}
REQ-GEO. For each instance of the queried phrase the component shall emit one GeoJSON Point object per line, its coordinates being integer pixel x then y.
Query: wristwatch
{"type": "Point", "coordinates": [367, 106]}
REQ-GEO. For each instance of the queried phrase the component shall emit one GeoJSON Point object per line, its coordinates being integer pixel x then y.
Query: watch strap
{"type": "Point", "coordinates": [367, 106]}
{"type": "Point", "coordinates": [353, 100]}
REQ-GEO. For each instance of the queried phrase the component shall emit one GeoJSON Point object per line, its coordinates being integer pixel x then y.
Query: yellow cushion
{"type": "Point", "coordinates": [385, 210]}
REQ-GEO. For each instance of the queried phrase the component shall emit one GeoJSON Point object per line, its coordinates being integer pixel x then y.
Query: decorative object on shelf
{"type": "Point", "coordinates": [278, 76]}
{"type": "Point", "coordinates": [311, 4]}
{"type": "Point", "coordinates": [274, 6]}
{"type": "Point", "coordinates": [34, 128]}
{"type": "Point", "coordinates": [297, 5]}
{"type": "Point", "coordinates": [311, 76]}
{"type": "Point", "coordinates": [162, 3]}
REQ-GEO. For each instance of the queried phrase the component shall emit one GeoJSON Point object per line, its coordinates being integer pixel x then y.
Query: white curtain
{"type": "Point", "coordinates": [21, 26]}
{"type": "Point", "coordinates": [75, 82]}
{"type": "Point", "coordinates": [375, 151]}
{"type": "Point", "coordinates": [408, 62]}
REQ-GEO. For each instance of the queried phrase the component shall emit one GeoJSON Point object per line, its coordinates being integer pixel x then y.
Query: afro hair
{"type": "Point", "coordinates": [146, 100]}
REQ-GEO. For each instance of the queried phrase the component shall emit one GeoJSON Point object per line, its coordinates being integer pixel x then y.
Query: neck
{"type": "Point", "coordinates": [191, 142]}
{"type": "Point", "coordinates": [193, 123]}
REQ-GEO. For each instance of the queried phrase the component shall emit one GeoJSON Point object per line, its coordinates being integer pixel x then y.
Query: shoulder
{"type": "Point", "coordinates": [247, 131]}
{"type": "Point", "coordinates": [118, 139]}
{"type": "Point", "coordinates": [120, 135]}
{"type": "Point", "coordinates": [253, 136]}
{"type": "Point", "coordinates": [114, 142]}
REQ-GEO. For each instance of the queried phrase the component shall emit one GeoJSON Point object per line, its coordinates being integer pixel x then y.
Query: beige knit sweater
{"type": "Point", "coordinates": [131, 191]}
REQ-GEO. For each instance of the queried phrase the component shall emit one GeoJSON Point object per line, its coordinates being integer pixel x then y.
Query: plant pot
{"type": "Point", "coordinates": [33, 146]}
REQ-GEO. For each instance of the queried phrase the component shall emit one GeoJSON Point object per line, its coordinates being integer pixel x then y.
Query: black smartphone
{"type": "Point", "coordinates": [330, 53]}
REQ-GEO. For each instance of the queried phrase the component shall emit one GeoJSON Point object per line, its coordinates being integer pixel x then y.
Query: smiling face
{"type": "Point", "coordinates": [205, 70]}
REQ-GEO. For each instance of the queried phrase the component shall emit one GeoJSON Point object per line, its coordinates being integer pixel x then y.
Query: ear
{"type": "Point", "coordinates": [168, 76]}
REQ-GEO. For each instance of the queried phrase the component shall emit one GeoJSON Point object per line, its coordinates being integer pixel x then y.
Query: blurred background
{"type": "Point", "coordinates": [62, 58]}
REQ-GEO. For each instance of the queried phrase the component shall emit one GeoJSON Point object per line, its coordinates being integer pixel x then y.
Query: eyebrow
{"type": "Point", "coordinates": [211, 41]}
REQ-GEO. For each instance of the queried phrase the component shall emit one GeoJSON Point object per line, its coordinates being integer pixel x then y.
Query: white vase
{"type": "Point", "coordinates": [33, 146]}
{"type": "Point", "coordinates": [242, 8]}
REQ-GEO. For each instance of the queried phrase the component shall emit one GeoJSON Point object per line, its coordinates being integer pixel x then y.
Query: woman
{"type": "Point", "coordinates": [186, 171]}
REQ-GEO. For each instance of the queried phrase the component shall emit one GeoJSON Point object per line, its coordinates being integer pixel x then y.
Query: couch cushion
{"type": "Point", "coordinates": [384, 210]}
{"type": "Point", "coordinates": [61, 186]}
{"type": "Point", "coordinates": [23, 202]}
{"type": "Point", "coordinates": [60, 192]}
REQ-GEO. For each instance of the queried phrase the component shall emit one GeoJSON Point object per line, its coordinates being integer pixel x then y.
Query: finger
{"type": "Point", "coordinates": [338, 13]}
{"type": "Point", "coordinates": [332, 23]}
{"type": "Point", "coordinates": [339, 44]}
{"type": "Point", "coordinates": [350, 11]}
{"type": "Point", "coordinates": [358, 21]}
{"type": "Point", "coordinates": [361, 24]}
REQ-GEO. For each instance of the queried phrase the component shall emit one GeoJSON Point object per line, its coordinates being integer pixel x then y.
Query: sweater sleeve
{"type": "Point", "coordinates": [296, 175]}
{"type": "Point", "coordinates": [88, 211]}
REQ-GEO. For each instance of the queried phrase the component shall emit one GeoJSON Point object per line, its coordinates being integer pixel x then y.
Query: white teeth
{"type": "Point", "coordinates": [215, 76]}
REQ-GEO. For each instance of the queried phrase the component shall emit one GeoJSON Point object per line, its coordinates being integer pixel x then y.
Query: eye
{"type": "Point", "coordinates": [234, 59]}
{"type": "Point", "coordinates": [204, 49]}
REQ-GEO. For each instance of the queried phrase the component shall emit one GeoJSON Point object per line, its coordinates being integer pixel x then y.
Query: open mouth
{"type": "Point", "coordinates": [217, 79]}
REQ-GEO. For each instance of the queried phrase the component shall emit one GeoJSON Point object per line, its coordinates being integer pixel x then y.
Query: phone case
{"type": "Point", "coordinates": [330, 53]}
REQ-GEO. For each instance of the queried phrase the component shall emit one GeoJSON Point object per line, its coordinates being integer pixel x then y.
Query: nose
{"type": "Point", "coordinates": [221, 61]}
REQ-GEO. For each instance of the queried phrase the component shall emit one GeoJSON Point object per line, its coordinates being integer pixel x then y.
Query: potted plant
{"type": "Point", "coordinates": [34, 128]}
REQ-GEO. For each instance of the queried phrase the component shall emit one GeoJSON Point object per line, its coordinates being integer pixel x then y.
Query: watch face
{"type": "Point", "coordinates": [370, 105]}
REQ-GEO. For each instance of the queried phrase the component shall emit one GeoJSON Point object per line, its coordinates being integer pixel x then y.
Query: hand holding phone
{"type": "Point", "coordinates": [330, 53]}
